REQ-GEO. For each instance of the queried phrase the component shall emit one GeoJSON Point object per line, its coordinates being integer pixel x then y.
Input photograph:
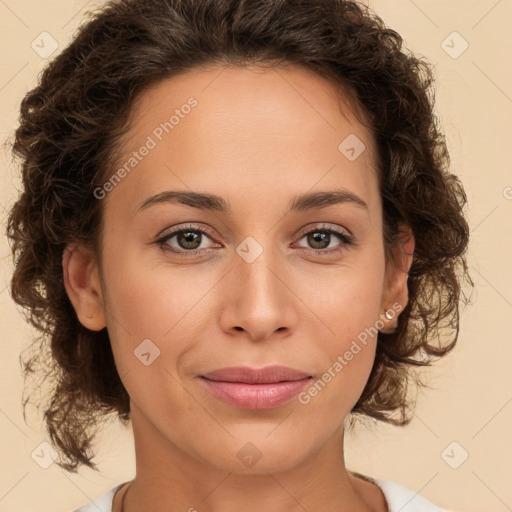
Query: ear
{"type": "Point", "coordinates": [83, 285]}
{"type": "Point", "coordinates": [395, 295]}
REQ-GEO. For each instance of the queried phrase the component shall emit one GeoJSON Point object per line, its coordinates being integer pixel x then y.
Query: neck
{"type": "Point", "coordinates": [166, 475]}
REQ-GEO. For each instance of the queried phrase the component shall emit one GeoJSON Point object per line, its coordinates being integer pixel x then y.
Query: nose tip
{"type": "Point", "coordinates": [256, 299]}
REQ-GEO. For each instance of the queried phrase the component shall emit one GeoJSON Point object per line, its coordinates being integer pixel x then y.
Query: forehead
{"type": "Point", "coordinates": [268, 98]}
{"type": "Point", "coordinates": [249, 128]}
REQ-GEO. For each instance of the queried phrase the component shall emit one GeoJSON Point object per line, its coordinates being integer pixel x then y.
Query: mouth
{"type": "Point", "coordinates": [248, 375]}
{"type": "Point", "coordinates": [250, 388]}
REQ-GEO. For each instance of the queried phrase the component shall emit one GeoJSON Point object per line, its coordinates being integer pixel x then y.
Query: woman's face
{"type": "Point", "coordinates": [256, 282]}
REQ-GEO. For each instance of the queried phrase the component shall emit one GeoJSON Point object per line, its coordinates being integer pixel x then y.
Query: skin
{"type": "Point", "coordinates": [256, 138]}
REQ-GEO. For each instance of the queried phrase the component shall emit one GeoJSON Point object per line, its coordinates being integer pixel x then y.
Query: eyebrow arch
{"type": "Point", "coordinates": [317, 200]}
{"type": "Point", "coordinates": [302, 202]}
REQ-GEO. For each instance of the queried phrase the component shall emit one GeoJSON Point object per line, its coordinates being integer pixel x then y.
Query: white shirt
{"type": "Point", "coordinates": [398, 498]}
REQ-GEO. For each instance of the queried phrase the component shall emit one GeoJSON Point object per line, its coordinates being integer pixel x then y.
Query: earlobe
{"type": "Point", "coordinates": [83, 285]}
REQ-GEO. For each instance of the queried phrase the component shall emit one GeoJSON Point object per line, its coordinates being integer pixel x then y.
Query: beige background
{"type": "Point", "coordinates": [471, 402]}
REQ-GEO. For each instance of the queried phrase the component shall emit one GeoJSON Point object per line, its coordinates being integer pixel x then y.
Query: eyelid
{"type": "Point", "coordinates": [183, 227]}
{"type": "Point", "coordinates": [326, 227]}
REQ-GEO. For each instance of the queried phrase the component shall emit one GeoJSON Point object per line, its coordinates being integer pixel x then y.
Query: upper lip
{"type": "Point", "coordinates": [248, 375]}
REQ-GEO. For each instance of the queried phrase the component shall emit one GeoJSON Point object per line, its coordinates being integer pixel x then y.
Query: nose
{"type": "Point", "coordinates": [258, 302]}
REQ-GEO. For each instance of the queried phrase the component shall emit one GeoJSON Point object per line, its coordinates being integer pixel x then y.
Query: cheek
{"type": "Point", "coordinates": [346, 362]}
{"type": "Point", "coordinates": [150, 312]}
{"type": "Point", "coordinates": [151, 300]}
{"type": "Point", "coordinates": [167, 305]}
{"type": "Point", "coordinates": [347, 301]}
{"type": "Point", "coordinates": [348, 307]}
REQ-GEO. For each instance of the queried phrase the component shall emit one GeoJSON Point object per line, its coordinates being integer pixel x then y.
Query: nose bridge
{"type": "Point", "coordinates": [253, 268]}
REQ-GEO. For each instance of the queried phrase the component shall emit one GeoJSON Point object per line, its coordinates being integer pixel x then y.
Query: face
{"type": "Point", "coordinates": [259, 276]}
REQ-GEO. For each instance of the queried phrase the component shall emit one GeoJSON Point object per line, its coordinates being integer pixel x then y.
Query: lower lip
{"type": "Point", "coordinates": [256, 396]}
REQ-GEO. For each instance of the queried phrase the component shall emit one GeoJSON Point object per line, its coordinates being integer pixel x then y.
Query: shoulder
{"type": "Point", "coordinates": [400, 498]}
{"type": "Point", "coordinates": [101, 504]}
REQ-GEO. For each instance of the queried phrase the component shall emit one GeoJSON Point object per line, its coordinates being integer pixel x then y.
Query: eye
{"type": "Point", "coordinates": [320, 238]}
{"type": "Point", "coordinates": [188, 241]}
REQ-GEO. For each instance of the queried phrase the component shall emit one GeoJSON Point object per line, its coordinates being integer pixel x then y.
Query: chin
{"type": "Point", "coordinates": [258, 455]}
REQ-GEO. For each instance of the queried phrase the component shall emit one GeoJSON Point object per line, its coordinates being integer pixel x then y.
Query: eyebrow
{"type": "Point", "coordinates": [300, 203]}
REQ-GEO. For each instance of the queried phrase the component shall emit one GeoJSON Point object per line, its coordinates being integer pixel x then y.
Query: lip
{"type": "Point", "coordinates": [251, 388]}
{"type": "Point", "coordinates": [248, 375]}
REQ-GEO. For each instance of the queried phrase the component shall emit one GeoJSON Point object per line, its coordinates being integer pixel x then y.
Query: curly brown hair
{"type": "Point", "coordinates": [71, 124]}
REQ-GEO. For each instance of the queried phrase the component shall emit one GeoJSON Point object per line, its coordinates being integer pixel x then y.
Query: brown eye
{"type": "Point", "coordinates": [188, 241]}
{"type": "Point", "coordinates": [320, 240]}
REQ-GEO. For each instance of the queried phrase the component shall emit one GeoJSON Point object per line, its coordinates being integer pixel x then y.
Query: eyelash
{"type": "Point", "coordinates": [346, 240]}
